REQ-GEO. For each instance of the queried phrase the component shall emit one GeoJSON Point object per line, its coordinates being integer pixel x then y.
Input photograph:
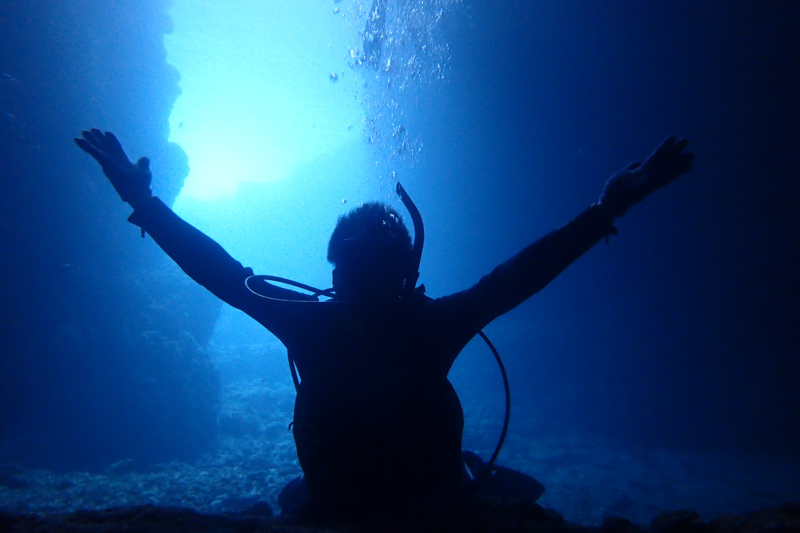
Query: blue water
{"type": "Point", "coordinates": [658, 372]}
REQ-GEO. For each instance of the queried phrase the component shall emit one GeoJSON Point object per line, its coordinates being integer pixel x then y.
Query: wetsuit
{"type": "Point", "coordinates": [377, 424]}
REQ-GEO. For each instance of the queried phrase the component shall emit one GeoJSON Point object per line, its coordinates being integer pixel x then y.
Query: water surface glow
{"type": "Point", "coordinates": [257, 96]}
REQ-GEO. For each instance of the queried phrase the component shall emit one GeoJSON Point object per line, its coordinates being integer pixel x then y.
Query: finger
{"type": "Point", "coordinates": [685, 162]}
{"type": "Point", "coordinates": [676, 148]}
{"type": "Point", "coordinates": [87, 147]}
{"type": "Point", "coordinates": [84, 145]}
{"type": "Point", "coordinates": [678, 162]}
{"type": "Point", "coordinates": [680, 146]}
{"type": "Point", "coordinates": [678, 167]}
{"type": "Point", "coordinates": [661, 153]}
{"type": "Point", "coordinates": [113, 143]}
{"type": "Point", "coordinates": [634, 165]}
{"type": "Point", "coordinates": [143, 163]}
{"type": "Point", "coordinates": [95, 138]}
{"type": "Point", "coordinates": [97, 135]}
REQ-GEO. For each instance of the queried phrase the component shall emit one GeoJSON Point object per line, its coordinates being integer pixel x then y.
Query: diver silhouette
{"type": "Point", "coordinates": [377, 425]}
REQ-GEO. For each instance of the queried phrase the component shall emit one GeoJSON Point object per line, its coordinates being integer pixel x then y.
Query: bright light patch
{"type": "Point", "coordinates": [257, 98]}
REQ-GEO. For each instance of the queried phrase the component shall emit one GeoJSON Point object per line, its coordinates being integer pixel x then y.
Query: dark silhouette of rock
{"type": "Point", "coordinates": [496, 517]}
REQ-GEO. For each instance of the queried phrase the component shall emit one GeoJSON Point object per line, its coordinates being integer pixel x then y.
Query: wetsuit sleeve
{"type": "Point", "coordinates": [528, 272]}
{"type": "Point", "coordinates": [206, 262]}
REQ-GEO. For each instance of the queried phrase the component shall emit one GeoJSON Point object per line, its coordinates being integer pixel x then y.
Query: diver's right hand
{"type": "Point", "coordinates": [638, 180]}
{"type": "Point", "coordinates": [132, 182]}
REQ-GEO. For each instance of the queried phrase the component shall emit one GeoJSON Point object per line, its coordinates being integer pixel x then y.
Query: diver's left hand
{"type": "Point", "coordinates": [631, 185]}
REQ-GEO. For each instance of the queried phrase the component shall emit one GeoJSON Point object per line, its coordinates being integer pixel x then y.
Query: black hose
{"type": "Point", "coordinates": [313, 290]}
{"type": "Point", "coordinates": [315, 293]}
{"type": "Point", "coordinates": [475, 485]}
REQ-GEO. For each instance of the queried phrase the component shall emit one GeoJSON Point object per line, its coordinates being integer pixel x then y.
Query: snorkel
{"type": "Point", "coordinates": [412, 275]}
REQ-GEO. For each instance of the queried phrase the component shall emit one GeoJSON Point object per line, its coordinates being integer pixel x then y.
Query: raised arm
{"type": "Point", "coordinates": [538, 264]}
{"type": "Point", "coordinates": [199, 256]}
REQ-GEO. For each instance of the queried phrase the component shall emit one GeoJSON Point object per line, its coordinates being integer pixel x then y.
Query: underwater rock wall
{"type": "Point", "coordinates": [101, 337]}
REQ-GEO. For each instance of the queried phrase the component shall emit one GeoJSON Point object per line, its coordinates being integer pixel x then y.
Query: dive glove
{"type": "Point", "coordinates": [131, 181]}
{"type": "Point", "coordinates": [631, 185]}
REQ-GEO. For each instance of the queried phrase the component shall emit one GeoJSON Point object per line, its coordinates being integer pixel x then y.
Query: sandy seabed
{"type": "Point", "coordinates": [587, 479]}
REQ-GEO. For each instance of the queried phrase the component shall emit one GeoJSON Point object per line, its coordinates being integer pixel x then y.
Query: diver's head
{"type": "Point", "coordinates": [370, 249]}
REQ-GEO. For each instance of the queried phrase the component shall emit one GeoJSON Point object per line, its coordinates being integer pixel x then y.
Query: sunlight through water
{"type": "Point", "coordinates": [258, 92]}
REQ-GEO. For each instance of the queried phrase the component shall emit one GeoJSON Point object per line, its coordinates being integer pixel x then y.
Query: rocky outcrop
{"type": "Point", "coordinates": [102, 339]}
{"type": "Point", "coordinates": [493, 518]}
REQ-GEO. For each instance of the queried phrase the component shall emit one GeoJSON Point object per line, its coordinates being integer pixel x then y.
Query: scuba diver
{"type": "Point", "coordinates": [377, 425]}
